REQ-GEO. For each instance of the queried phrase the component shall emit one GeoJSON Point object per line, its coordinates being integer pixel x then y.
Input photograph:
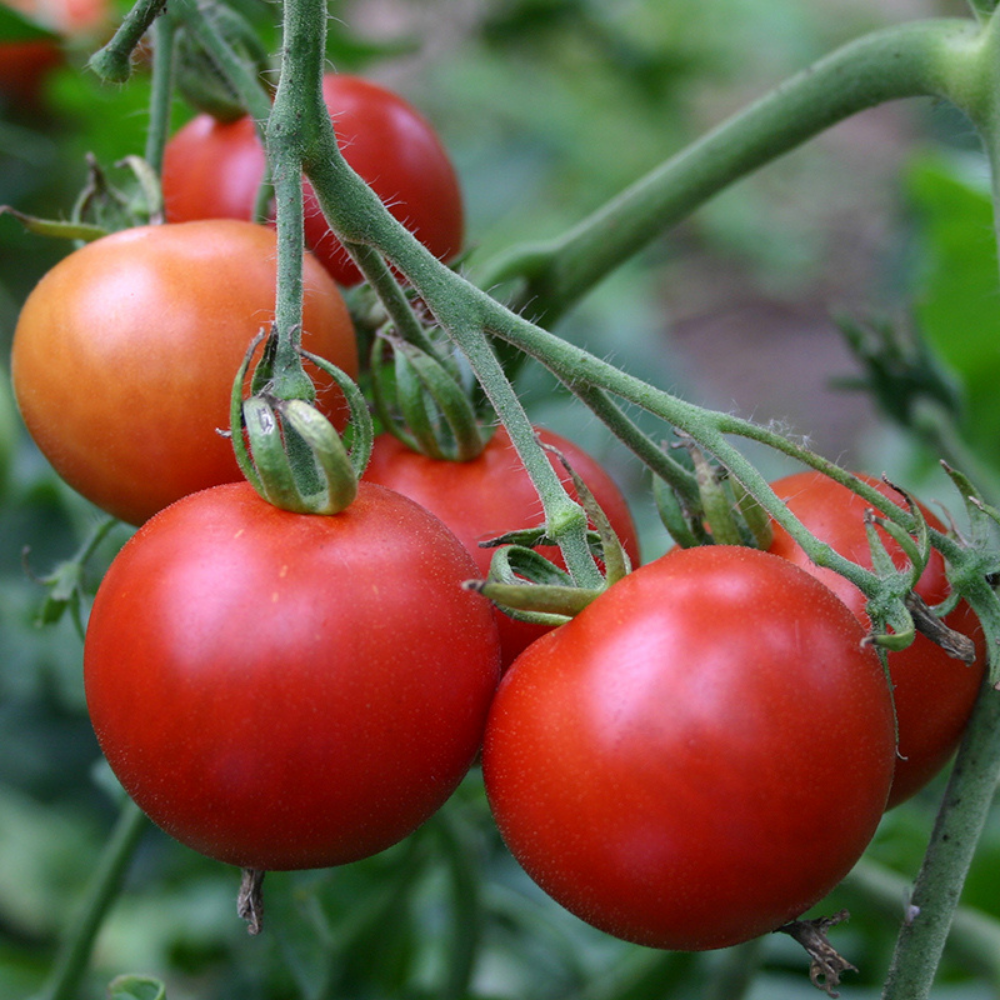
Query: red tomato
{"type": "Point", "coordinates": [934, 693]}
{"type": "Point", "coordinates": [285, 691]}
{"type": "Point", "coordinates": [24, 65]}
{"type": "Point", "coordinates": [125, 354]}
{"type": "Point", "coordinates": [492, 495]}
{"type": "Point", "coordinates": [213, 170]}
{"type": "Point", "coordinates": [699, 756]}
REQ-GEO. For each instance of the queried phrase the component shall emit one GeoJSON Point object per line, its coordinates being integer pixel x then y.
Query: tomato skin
{"type": "Point", "coordinates": [125, 353]}
{"type": "Point", "coordinates": [492, 495]}
{"type": "Point", "coordinates": [699, 756]}
{"type": "Point", "coordinates": [283, 691]}
{"type": "Point", "coordinates": [934, 693]}
{"type": "Point", "coordinates": [214, 170]}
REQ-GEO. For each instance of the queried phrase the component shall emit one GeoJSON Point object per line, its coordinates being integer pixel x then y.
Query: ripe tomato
{"type": "Point", "coordinates": [24, 65]}
{"type": "Point", "coordinates": [125, 354]}
{"type": "Point", "coordinates": [699, 756]}
{"type": "Point", "coordinates": [934, 693]}
{"type": "Point", "coordinates": [286, 691]}
{"type": "Point", "coordinates": [213, 170]}
{"type": "Point", "coordinates": [492, 495]}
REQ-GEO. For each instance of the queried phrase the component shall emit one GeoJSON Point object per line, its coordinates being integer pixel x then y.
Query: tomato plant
{"type": "Point", "coordinates": [934, 693]}
{"type": "Point", "coordinates": [125, 353]}
{"type": "Point", "coordinates": [492, 495]}
{"type": "Point", "coordinates": [290, 691]}
{"type": "Point", "coordinates": [699, 756]}
{"type": "Point", "coordinates": [213, 169]}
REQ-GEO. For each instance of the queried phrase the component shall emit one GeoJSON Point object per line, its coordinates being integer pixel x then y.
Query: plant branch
{"type": "Point", "coordinates": [959, 825]}
{"type": "Point", "coordinates": [161, 91]}
{"type": "Point", "coordinates": [907, 60]}
{"type": "Point", "coordinates": [74, 954]}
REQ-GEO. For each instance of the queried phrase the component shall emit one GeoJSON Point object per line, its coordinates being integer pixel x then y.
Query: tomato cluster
{"type": "Point", "coordinates": [695, 759]}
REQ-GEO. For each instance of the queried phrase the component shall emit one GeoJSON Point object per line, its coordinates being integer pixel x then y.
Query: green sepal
{"type": "Point", "coordinates": [359, 428]}
{"type": "Point", "coordinates": [288, 451]}
{"type": "Point", "coordinates": [892, 626]}
{"type": "Point", "coordinates": [716, 500]}
{"type": "Point", "coordinates": [66, 583]}
{"type": "Point", "coordinates": [57, 228]}
{"type": "Point", "coordinates": [527, 586]}
{"type": "Point", "coordinates": [534, 537]}
{"type": "Point", "coordinates": [916, 546]}
{"type": "Point", "coordinates": [340, 481]}
{"type": "Point", "coordinates": [136, 201]}
{"type": "Point", "coordinates": [755, 517]}
{"type": "Point", "coordinates": [274, 479]}
{"type": "Point", "coordinates": [421, 402]}
{"type": "Point", "coordinates": [201, 80]}
{"type": "Point", "coordinates": [617, 564]}
{"type": "Point", "coordinates": [686, 531]}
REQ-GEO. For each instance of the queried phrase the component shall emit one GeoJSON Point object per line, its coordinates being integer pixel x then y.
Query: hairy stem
{"type": "Point", "coordinates": [161, 91]}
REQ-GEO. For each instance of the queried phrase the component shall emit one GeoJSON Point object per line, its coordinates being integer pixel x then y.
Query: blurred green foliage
{"type": "Point", "coordinates": [549, 107]}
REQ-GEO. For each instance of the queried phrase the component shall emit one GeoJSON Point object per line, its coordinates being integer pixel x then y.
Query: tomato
{"type": "Point", "coordinates": [24, 65]}
{"type": "Point", "coordinates": [125, 353]}
{"type": "Point", "coordinates": [214, 170]}
{"type": "Point", "coordinates": [283, 691]}
{"type": "Point", "coordinates": [699, 756]}
{"type": "Point", "coordinates": [492, 495]}
{"type": "Point", "coordinates": [934, 693]}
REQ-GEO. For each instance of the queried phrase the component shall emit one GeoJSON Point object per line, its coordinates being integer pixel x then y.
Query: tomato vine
{"type": "Point", "coordinates": [956, 60]}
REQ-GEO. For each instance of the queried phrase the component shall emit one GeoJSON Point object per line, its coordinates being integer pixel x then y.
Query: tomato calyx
{"type": "Point", "coordinates": [288, 451]}
{"type": "Point", "coordinates": [826, 965]}
{"type": "Point", "coordinates": [426, 398]}
{"type": "Point", "coordinates": [200, 78]}
{"type": "Point", "coordinates": [527, 586]}
{"type": "Point", "coordinates": [722, 513]}
{"type": "Point", "coordinates": [103, 207]}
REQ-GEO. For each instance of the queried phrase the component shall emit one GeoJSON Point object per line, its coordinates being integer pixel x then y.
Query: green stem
{"type": "Point", "coordinates": [466, 908]}
{"type": "Point", "coordinates": [299, 82]}
{"type": "Point", "coordinates": [565, 519]}
{"type": "Point", "coordinates": [113, 63]}
{"type": "Point", "coordinates": [681, 479]}
{"type": "Point", "coordinates": [953, 843]}
{"type": "Point", "coordinates": [392, 296]}
{"type": "Point", "coordinates": [915, 59]}
{"type": "Point", "coordinates": [974, 939]}
{"type": "Point", "coordinates": [242, 76]}
{"type": "Point", "coordinates": [974, 778]}
{"type": "Point", "coordinates": [74, 954]}
{"type": "Point", "coordinates": [161, 91]}
{"type": "Point", "coordinates": [358, 217]}
{"type": "Point", "coordinates": [983, 9]}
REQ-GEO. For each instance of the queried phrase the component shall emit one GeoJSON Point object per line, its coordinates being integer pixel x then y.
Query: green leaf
{"type": "Point", "coordinates": [958, 302]}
